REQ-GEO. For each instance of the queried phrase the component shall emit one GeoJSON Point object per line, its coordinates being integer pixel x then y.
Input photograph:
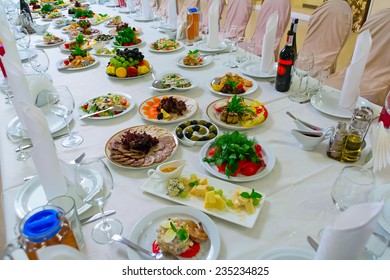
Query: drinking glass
{"type": "Point", "coordinates": [62, 104]}
{"type": "Point", "coordinates": [240, 50]}
{"type": "Point", "coordinates": [249, 49]}
{"type": "Point", "coordinates": [302, 66]}
{"type": "Point", "coordinates": [156, 18]}
{"type": "Point", "coordinates": [15, 134]}
{"type": "Point", "coordinates": [23, 38]}
{"type": "Point", "coordinates": [5, 89]}
{"type": "Point", "coordinates": [204, 32]}
{"type": "Point", "coordinates": [352, 186]}
{"type": "Point", "coordinates": [229, 38]}
{"type": "Point", "coordinates": [322, 77]}
{"type": "Point", "coordinates": [40, 62]}
{"type": "Point", "coordinates": [94, 184]}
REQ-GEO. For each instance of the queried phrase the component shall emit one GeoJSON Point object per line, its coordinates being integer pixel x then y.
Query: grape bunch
{"type": "Point", "coordinates": [126, 58]}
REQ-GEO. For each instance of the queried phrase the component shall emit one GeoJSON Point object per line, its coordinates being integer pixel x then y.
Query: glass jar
{"type": "Point", "coordinates": [336, 141]}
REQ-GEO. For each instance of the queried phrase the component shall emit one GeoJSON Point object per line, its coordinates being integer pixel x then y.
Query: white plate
{"type": "Point", "coordinates": [93, 52]}
{"type": "Point", "coordinates": [202, 46]}
{"type": "Point", "coordinates": [61, 22]}
{"type": "Point", "coordinates": [166, 29]}
{"type": "Point", "coordinates": [144, 232]}
{"type": "Point", "coordinates": [128, 109]}
{"type": "Point", "coordinates": [328, 103]}
{"type": "Point", "coordinates": [129, 47]}
{"type": "Point", "coordinates": [159, 188]}
{"type": "Point", "coordinates": [111, 5]}
{"type": "Point", "coordinates": [206, 61]}
{"type": "Point", "coordinates": [382, 194]}
{"type": "Point", "coordinates": [60, 64]}
{"type": "Point", "coordinates": [167, 51]}
{"type": "Point", "coordinates": [268, 157]}
{"type": "Point", "coordinates": [55, 123]}
{"type": "Point", "coordinates": [41, 44]}
{"type": "Point", "coordinates": [215, 117]}
{"type": "Point", "coordinates": [192, 107]}
{"type": "Point", "coordinates": [288, 253]}
{"type": "Point", "coordinates": [142, 19]}
{"type": "Point", "coordinates": [250, 90]}
{"type": "Point", "coordinates": [62, 48]}
{"type": "Point", "coordinates": [253, 69]}
{"type": "Point", "coordinates": [32, 195]}
{"type": "Point", "coordinates": [138, 30]}
{"type": "Point", "coordinates": [193, 84]}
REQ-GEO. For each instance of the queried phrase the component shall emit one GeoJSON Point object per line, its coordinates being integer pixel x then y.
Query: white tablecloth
{"type": "Point", "coordinates": [298, 200]}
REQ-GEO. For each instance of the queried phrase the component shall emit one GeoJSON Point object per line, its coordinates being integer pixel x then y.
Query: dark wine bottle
{"type": "Point", "coordinates": [285, 63]}
{"type": "Point", "coordinates": [25, 9]}
{"type": "Point", "coordinates": [294, 26]}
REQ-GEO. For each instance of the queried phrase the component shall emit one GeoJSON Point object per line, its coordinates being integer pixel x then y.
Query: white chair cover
{"type": "Point", "coordinates": [205, 15]}
{"type": "Point", "coordinates": [186, 5]}
{"type": "Point", "coordinates": [327, 31]}
{"type": "Point", "coordinates": [238, 13]}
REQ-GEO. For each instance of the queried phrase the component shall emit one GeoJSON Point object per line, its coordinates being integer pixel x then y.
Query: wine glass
{"type": "Point", "coordinates": [61, 103]}
{"type": "Point", "coordinates": [352, 186]}
{"type": "Point", "coordinates": [302, 66]}
{"type": "Point", "coordinates": [156, 18]}
{"type": "Point", "coordinates": [40, 62]}
{"type": "Point", "coordinates": [5, 89]}
{"type": "Point", "coordinates": [15, 134]}
{"type": "Point", "coordinates": [94, 184]}
{"type": "Point", "coordinates": [229, 38]}
{"type": "Point", "coordinates": [323, 76]}
{"type": "Point", "coordinates": [23, 38]}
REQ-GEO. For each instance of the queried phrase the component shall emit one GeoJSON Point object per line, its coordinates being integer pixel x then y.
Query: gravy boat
{"type": "Point", "coordinates": [310, 139]}
{"type": "Point", "coordinates": [168, 170]}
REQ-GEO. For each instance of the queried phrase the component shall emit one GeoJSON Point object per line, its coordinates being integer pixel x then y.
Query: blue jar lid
{"type": "Point", "coordinates": [193, 10]}
{"type": "Point", "coordinates": [42, 225]}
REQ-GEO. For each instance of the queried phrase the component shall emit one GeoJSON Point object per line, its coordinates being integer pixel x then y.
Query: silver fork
{"type": "Point", "coordinates": [113, 108]}
{"type": "Point", "coordinates": [72, 162]}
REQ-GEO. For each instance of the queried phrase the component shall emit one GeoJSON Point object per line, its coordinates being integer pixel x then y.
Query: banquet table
{"type": "Point", "coordinates": [297, 190]}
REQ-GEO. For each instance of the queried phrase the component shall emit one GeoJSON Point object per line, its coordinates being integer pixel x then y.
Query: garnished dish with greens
{"type": "Point", "coordinates": [78, 59]}
{"type": "Point", "coordinates": [193, 58]}
{"type": "Point", "coordinates": [165, 45]}
{"type": "Point", "coordinates": [80, 42]}
{"type": "Point", "coordinates": [230, 84]}
{"type": "Point", "coordinates": [127, 37]}
{"type": "Point", "coordinates": [104, 102]}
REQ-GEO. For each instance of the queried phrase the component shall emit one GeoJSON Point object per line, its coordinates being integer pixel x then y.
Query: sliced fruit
{"type": "Point", "coordinates": [143, 70]}
{"type": "Point", "coordinates": [121, 72]}
{"type": "Point", "coordinates": [132, 71]}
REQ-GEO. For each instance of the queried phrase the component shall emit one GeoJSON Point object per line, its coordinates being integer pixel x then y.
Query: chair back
{"type": "Point", "coordinates": [238, 13]}
{"type": "Point", "coordinates": [205, 15]}
{"type": "Point", "coordinates": [162, 10]}
{"type": "Point", "coordinates": [328, 30]}
{"type": "Point", "coordinates": [186, 5]}
{"type": "Point", "coordinates": [283, 7]}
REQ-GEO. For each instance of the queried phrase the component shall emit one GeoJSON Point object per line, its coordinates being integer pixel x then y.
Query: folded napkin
{"type": "Point", "coordinates": [213, 36]}
{"type": "Point", "coordinates": [146, 9]}
{"type": "Point", "coordinates": [172, 14]}
{"type": "Point", "coordinates": [268, 56]}
{"type": "Point", "coordinates": [348, 236]}
{"type": "Point", "coordinates": [351, 86]}
{"type": "Point", "coordinates": [44, 153]}
{"type": "Point", "coordinates": [380, 142]}
{"type": "Point", "coordinates": [38, 84]}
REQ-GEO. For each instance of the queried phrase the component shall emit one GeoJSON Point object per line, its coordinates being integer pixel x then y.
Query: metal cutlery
{"type": "Point", "coordinates": [132, 245]}
{"type": "Point", "coordinates": [111, 108]}
{"type": "Point", "coordinates": [313, 127]}
{"type": "Point", "coordinates": [96, 217]}
{"type": "Point", "coordinates": [312, 242]}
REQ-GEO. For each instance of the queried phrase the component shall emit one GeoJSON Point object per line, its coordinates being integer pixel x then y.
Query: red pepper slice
{"type": "Point", "coordinates": [250, 168]}
{"type": "Point", "coordinates": [192, 251]}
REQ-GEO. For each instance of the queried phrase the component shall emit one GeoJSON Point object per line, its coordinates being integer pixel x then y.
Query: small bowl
{"type": "Point", "coordinates": [196, 132]}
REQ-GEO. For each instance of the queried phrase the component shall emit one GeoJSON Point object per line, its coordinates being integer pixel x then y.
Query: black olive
{"type": "Point", "coordinates": [208, 124]}
{"type": "Point", "coordinates": [188, 134]}
{"type": "Point", "coordinates": [160, 116]}
{"type": "Point", "coordinates": [182, 126]}
{"type": "Point", "coordinates": [179, 134]}
{"type": "Point", "coordinates": [194, 122]}
{"type": "Point", "coordinates": [196, 127]}
{"type": "Point", "coordinates": [213, 132]}
{"type": "Point", "coordinates": [204, 138]}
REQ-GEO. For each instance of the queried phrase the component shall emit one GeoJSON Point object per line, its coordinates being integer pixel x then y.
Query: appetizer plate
{"type": "Point", "coordinates": [51, 19]}
{"type": "Point", "coordinates": [288, 253]}
{"type": "Point", "coordinates": [185, 138]}
{"type": "Point", "coordinates": [63, 48]}
{"type": "Point", "coordinates": [206, 61]}
{"type": "Point", "coordinates": [42, 44]}
{"type": "Point", "coordinates": [158, 153]}
{"type": "Point", "coordinates": [32, 195]}
{"type": "Point", "coordinates": [382, 194]}
{"type": "Point", "coordinates": [193, 84]}
{"type": "Point", "coordinates": [253, 69]}
{"type": "Point", "coordinates": [144, 232]}
{"type": "Point", "coordinates": [268, 157]}
{"type": "Point", "coordinates": [61, 22]}
{"type": "Point", "coordinates": [168, 51]}
{"type": "Point", "coordinates": [114, 32]}
{"type": "Point", "coordinates": [328, 100]}
{"type": "Point", "coordinates": [93, 52]}
{"type": "Point", "coordinates": [129, 47]}
{"type": "Point", "coordinates": [128, 109]}
{"type": "Point", "coordinates": [192, 107]}
{"type": "Point", "coordinates": [158, 187]}
{"type": "Point", "coordinates": [203, 47]}
{"type": "Point", "coordinates": [60, 65]}
{"type": "Point", "coordinates": [250, 90]}
{"type": "Point", "coordinates": [215, 116]}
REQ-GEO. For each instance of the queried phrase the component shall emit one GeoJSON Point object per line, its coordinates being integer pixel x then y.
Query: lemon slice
{"type": "Point", "coordinates": [166, 224]}
{"type": "Point", "coordinates": [169, 236]}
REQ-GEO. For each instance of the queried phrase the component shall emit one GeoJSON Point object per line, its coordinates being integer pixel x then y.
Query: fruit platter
{"type": "Point", "coordinates": [80, 41]}
{"type": "Point", "coordinates": [128, 64]}
{"type": "Point", "coordinates": [168, 108]}
{"type": "Point", "coordinates": [196, 132]}
{"type": "Point", "coordinates": [77, 60]}
{"type": "Point", "coordinates": [127, 37]}
{"type": "Point", "coordinates": [237, 113]}
{"type": "Point", "coordinates": [231, 84]}
{"type": "Point", "coordinates": [236, 157]}
{"type": "Point", "coordinates": [165, 45]}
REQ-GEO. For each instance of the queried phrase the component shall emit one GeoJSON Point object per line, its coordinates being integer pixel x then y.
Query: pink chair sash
{"type": "Point", "coordinates": [327, 31]}
{"type": "Point", "coordinates": [238, 13]}
{"type": "Point", "coordinates": [205, 15]}
{"type": "Point", "coordinates": [267, 8]}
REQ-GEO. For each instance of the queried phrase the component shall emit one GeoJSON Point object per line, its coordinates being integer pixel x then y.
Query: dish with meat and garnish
{"type": "Point", "coordinates": [165, 45]}
{"type": "Point", "coordinates": [193, 59]}
{"type": "Point", "coordinates": [80, 41]}
{"type": "Point", "coordinates": [141, 146]}
{"type": "Point", "coordinates": [49, 40]}
{"type": "Point", "coordinates": [231, 84]}
{"type": "Point", "coordinates": [77, 60]}
{"type": "Point", "coordinates": [175, 81]}
{"type": "Point", "coordinates": [168, 108]}
{"type": "Point", "coordinates": [114, 22]}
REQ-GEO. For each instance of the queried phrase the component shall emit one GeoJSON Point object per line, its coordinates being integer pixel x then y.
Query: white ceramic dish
{"type": "Point", "coordinates": [42, 44]}
{"type": "Point", "coordinates": [93, 52]}
{"type": "Point", "coordinates": [202, 46]}
{"type": "Point", "coordinates": [268, 157]}
{"type": "Point", "coordinates": [60, 65]}
{"type": "Point", "coordinates": [190, 143]}
{"type": "Point", "coordinates": [206, 61]}
{"type": "Point", "coordinates": [62, 48]}
{"type": "Point", "coordinates": [382, 194]}
{"type": "Point", "coordinates": [215, 117]}
{"type": "Point", "coordinates": [288, 253]}
{"type": "Point", "coordinates": [192, 107]}
{"type": "Point", "coordinates": [193, 85]}
{"type": "Point", "coordinates": [253, 69]}
{"type": "Point", "coordinates": [142, 43]}
{"type": "Point", "coordinates": [128, 109]}
{"type": "Point", "coordinates": [32, 195]}
{"type": "Point", "coordinates": [327, 102]}
{"type": "Point", "coordinates": [61, 22]}
{"type": "Point", "coordinates": [167, 51]}
{"type": "Point", "coordinates": [114, 32]}
{"type": "Point", "coordinates": [250, 90]}
{"type": "Point", "coordinates": [144, 232]}
{"type": "Point", "coordinates": [159, 188]}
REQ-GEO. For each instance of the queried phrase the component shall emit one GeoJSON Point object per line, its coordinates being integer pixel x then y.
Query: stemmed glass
{"type": "Point", "coordinates": [323, 75]}
{"type": "Point", "coordinates": [229, 38]}
{"type": "Point", "coordinates": [302, 66]}
{"type": "Point", "coordinates": [40, 62]}
{"type": "Point", "coordinates": [61, 103]}
{"type": "Point", "coordinates": [94, 184]}
{"type": "Point", "coordinates": [156, 18]}
{"type": "Point", "coordinates": [5, 89]}
{"type": "Point", "coordinates": [15, 134]}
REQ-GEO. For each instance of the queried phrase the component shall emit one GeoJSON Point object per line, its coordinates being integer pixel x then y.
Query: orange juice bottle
{"type": "Point", "coordinates": [193, 17]}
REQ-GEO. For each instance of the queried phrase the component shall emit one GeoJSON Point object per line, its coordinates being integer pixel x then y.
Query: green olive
{"type": "Point", "coordinates": [194, 138]}
{"type": "Point", "coordinates": [187, 123]}
{"type": "Point", "coordinates": [201, 122]}
{"type": "Point", "coordinates": [202, 130]}
{"type": "Point", "coordinates": [179, 129]}
{"type": "Point", "coordinates": [211, 135]}
{"type": "Point", "coordinates": [212, 127]}
{"type": "Point", "coordinates": [190, 129]}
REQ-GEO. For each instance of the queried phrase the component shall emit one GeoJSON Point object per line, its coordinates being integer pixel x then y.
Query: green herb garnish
{"type": "Point", "coordinates": [193, 183]}
{"type": "Point", "coordinates": [254, 195]}
{"type": "Point", "coordinates": [193, 52]}
{"type": "Point", "coordinates": [80, 39]}
{"type": "Point", "coordinates": [83, 13]}
{"type": "Point", "coordinates": [237, 105]}
{"type": "Point", "coordinates": [80, 52]}
{"type": "Point", "coordinates": [182, 233]}
{"type": "Point", "coordinates": [47, 8]}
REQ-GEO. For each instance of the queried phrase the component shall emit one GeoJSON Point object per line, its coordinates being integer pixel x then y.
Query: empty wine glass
{"type": "Point", "coordinates": [5, 89]}
{"type": "Point", "coordinates": [23, 38]}
{"type": "Point", "coordinates": [40, 62]}
{"type": "Point", "coordinates": [323, 76]}
{"type": "Point", "coordinates": [15, 134]}
{"type": "Point", "coordinates": [229, 38]}
{"type": "Point", "coordinates": [62, 104]}
{"type": "Point", "coordinates": [94, 184]}
{"type": "Point", "coordinates": [302, 66]}
{"type": "Point", "coordinates": [156, 18]}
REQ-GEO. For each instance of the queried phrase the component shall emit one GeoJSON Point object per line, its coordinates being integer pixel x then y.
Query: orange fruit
{"type": "Point", "coordinates": [121, 72]}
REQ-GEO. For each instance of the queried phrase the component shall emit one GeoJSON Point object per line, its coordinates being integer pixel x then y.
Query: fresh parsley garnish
{"type": "Point", "coordinates": [237, 105]}
{"type": "Point", "coordinates": [254, 195]}
{"type": "Point", "coordinates": [182, 233]}
{"type": "Point", "coordinates": [193, 183]}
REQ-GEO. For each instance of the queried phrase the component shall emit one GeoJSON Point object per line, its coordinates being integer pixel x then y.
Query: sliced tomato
{"type": "Point", "coordinates": [124, 101]}
{"type": "Point", "coordinates": [240, 165]}
{"type": "Point", "coordinates": [192, 251]}
{"type": "Point", "coordinates": [250, 168]}
{"type": "Point", "coordinates": [258, 148]}
{"type": "Point", "coordinates": [211, 152]}
{"type": "Point", "coordinates": [221, 168]}
{"type": "Point", "coordinates": [85, 106]}
{"type": "Point", "coordinates": [240, 87]}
